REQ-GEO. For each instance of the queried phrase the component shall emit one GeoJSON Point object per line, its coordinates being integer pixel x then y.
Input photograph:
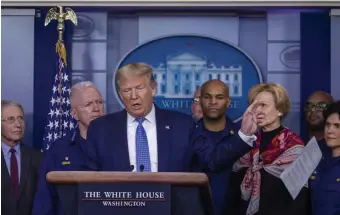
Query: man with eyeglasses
{"type": "Point", "coordinates": [316, 104]}
{"type": "Point", "coordinates": [196, 109]}
{"type": "Point", "coordinates": [19, 163]}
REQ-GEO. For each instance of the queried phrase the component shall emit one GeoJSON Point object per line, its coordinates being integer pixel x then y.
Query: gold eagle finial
{"type": "Point", "coordinates": [69, 14]}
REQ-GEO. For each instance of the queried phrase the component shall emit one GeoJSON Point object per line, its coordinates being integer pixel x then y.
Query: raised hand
{"type": "Point", "coordinates": [249, 121]}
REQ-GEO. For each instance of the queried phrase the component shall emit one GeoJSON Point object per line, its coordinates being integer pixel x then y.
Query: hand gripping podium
{"type": "Point", "coordinates": [132, 193]}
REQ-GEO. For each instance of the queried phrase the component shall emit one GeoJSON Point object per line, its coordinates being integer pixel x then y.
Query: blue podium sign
{"type": "Point", "coordinates": [124, 198]}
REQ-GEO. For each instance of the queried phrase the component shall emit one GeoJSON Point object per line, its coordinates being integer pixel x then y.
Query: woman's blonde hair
{"type": "Point", "coordinates": [279, 93]}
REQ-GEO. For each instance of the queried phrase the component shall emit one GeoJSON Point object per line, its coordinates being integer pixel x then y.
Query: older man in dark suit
{"type": "Point", "coordinates": [142, 137]}
{"type": "Point", "coordinates": [19, 163]}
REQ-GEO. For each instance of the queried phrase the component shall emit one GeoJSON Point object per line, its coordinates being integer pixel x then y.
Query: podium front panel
{"type": "Point", "coordinates": [124, 198]}
{"type": "Point", "coordinates": [84, 199]}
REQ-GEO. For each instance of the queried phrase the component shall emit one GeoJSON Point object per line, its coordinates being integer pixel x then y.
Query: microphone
{"type": "Point", "coordinates": [141, 168]}
{"type": "Point", "coordinates": [132, 167]}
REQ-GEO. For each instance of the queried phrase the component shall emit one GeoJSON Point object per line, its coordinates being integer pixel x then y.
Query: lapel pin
{"type": "Point", "coordinates": [167, 127]}
{"type": "Point", "coordinates": [232, 132]}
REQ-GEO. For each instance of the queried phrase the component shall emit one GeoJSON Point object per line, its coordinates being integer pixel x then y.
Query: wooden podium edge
{"type": "Point", "coordinates": [174, 178]}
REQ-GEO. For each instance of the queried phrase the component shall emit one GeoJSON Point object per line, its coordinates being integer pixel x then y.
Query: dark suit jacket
{"type": "Point", "coordinates": [30, 164]}
{"type": "Point", "coordinates": [108, 143]}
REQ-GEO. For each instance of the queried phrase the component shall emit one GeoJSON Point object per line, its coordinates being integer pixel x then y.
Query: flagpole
{"type": "Point", "coordinates": [59, 120]}
{"type": "Point", "coordinates": [61, 17]}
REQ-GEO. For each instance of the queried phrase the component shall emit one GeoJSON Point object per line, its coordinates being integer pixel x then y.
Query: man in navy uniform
{"type": "Point", "coordinates": [68, 154]}
{"type": "Point", "coordinates": [217, 134]}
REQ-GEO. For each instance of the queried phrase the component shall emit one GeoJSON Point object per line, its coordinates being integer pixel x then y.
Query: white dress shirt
{"type": "Point", "coordinates": [150, 127]}
{"type": "Point", "coordinates": [247, 139]}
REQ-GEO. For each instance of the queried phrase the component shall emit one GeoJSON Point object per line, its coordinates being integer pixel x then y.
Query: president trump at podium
{"type": "Point", "coordinates": [142, 137]}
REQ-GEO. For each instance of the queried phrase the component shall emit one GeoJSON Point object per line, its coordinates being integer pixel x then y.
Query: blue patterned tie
{"type": "Point", "coordinates": [142, 148]}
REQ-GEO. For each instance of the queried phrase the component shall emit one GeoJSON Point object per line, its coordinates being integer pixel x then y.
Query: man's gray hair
{"type": "Point", "coordinates": [80, 86]}
{"type": "Point", "coordinates": [11, 103]}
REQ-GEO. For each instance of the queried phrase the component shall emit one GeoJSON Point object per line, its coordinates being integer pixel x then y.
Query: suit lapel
{"type": "Point", "coordinates": [4, 170]}
{"type": "Point", "coordinates": [121, 146]}
{"type": "Point", "coordinates": [6, 185]}
{"type": "Point", "coordinates": [25, 167]}
{"type": "Point", "coordinates": [163, 140]}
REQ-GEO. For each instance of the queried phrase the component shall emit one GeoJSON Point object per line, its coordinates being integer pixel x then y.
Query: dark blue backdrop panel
{"type": "Point", "coordinates": [315, 57]}
{"type": "Point", "coordinates": [45, 39]}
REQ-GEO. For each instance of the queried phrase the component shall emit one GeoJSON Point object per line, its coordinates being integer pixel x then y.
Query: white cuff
{"type": "Point", "coordinates": [247, 139]}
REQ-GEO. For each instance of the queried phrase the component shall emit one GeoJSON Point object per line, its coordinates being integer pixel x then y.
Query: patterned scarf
{"type": "Point", "coordinates": [284, 148]}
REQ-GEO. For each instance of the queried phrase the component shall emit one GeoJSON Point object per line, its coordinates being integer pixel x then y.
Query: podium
{"type": "Point", "coordinates": [132, 193]}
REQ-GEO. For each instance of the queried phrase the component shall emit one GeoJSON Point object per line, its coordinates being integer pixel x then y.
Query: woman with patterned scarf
{"type": "Point", "coordinates": [255, 184]}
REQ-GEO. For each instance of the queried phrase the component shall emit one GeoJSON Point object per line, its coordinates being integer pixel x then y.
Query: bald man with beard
{"type": "Point", "coordinates": [316, 104]}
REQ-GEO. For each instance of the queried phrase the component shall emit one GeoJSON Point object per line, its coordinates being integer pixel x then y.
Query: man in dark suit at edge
{"type": "Point", "coordinates": [19, 163]}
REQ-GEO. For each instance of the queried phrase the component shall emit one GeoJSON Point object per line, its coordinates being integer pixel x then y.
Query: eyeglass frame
{"type": "Point", "coordinates": [196, 100]}
{"type": "Point", "coordinates": [12, 119]}
{"type": "Point", "coordinates": [318, 107]}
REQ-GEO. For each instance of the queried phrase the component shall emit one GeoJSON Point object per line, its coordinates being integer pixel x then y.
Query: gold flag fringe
{"type": "Point", "coordinates": [61, 50]}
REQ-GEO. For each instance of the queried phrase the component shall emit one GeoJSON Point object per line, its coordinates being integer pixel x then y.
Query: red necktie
{"type": "Point", "coordinates": [14, 173]}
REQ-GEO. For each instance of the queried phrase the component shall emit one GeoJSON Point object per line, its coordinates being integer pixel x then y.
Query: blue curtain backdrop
{"type": "Point", "coordinates": [315, 57]}
{"type": "Point", "coordinates": [45, 39]}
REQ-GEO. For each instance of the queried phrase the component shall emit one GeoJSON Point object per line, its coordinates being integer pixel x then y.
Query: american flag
{"type": "Point", "coordinates": [60, 122]}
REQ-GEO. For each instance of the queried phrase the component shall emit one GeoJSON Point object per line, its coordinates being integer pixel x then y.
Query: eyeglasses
{"type": "Point", "coordinates": [196, 100]}
{"type": "Point", "coordinates": [11, 119]}
{"type": "Point", "coordinates": [318, 107]}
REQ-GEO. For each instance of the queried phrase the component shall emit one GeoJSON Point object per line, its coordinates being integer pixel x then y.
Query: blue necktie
{"type": "Point", "coordinates": [142, 148]}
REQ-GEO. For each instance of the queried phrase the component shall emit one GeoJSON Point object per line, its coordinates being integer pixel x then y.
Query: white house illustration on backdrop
{"type": "Point", "coordinates": [186, 72]}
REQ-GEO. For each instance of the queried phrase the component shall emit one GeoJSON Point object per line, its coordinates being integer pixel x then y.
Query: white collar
{"type": "Point", "coordinates": [151, 117]}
